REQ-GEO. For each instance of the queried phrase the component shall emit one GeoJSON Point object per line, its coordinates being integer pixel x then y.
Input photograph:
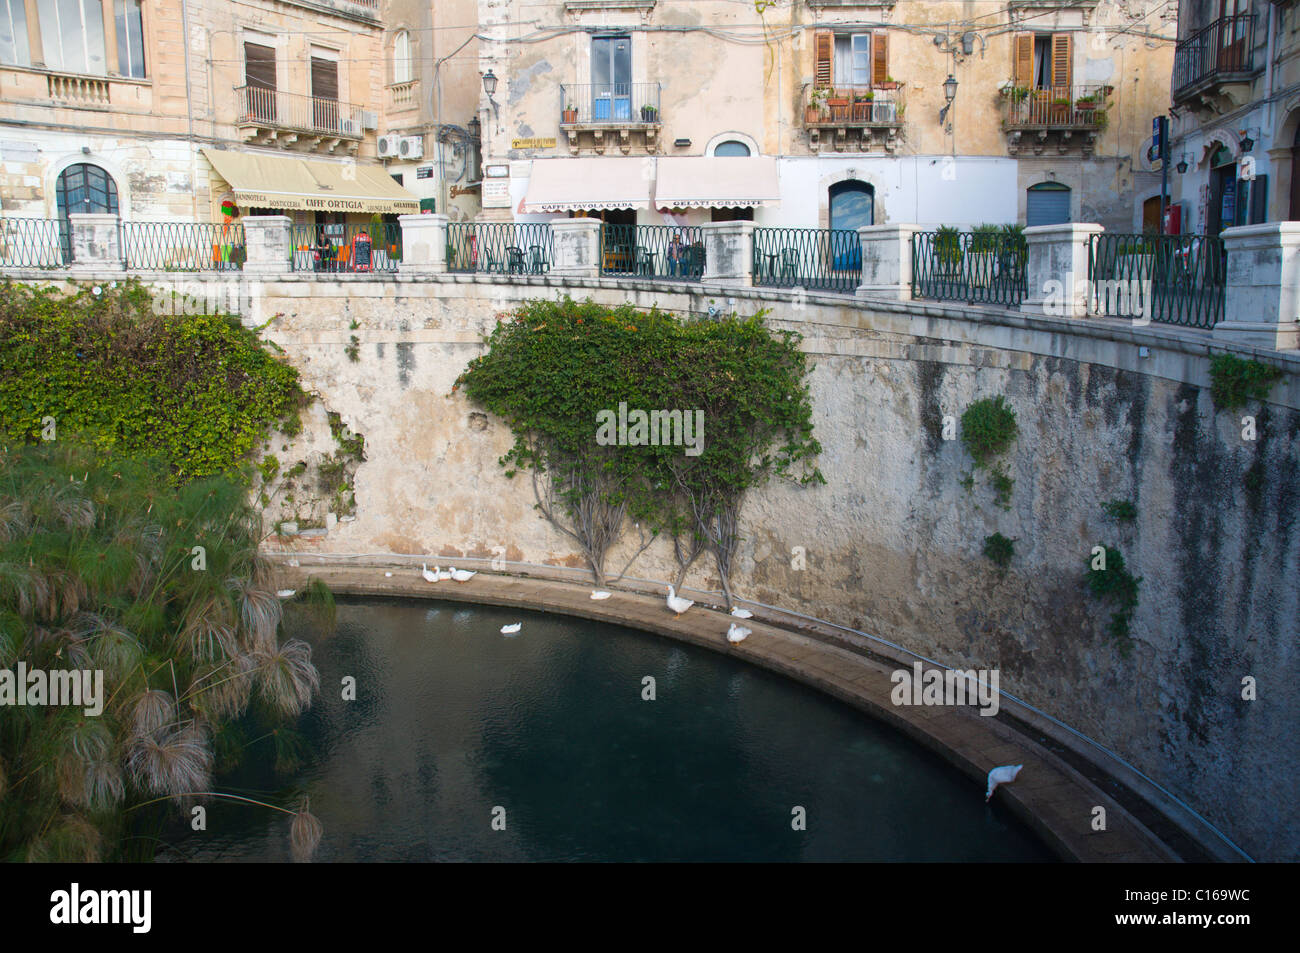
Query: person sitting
{"type": "Point", "coordinates": [676, 255]}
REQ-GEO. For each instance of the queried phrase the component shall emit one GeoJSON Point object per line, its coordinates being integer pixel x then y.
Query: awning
{"type": "Point", "coordinates": [572, 184]}
{"type": "Point", "coordinates": [716, 182]}
{"type": "Point", "coordinates": [260, 180]}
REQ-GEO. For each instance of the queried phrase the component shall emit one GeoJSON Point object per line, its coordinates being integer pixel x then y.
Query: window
{"type": "Point", "coordinates": [72, 35]}
{"type": "Point", "coordinates": [850, 59]}
{"type": "Point", "coordinates": [324, 92]}
{"type": "Point", "coordinates": [731, 147]}
{"type": "Point", "coordinates": [402, 57]}
{"type": "Point", "coordinates": [1044, 61]}
{"type": "Point", "coordinates": [14, 49]}
{"type": "Point", "coordinates": [611, 78]}
{"type": "Point", "coordinates": [1047, 203]}
{"type": "Point", "coordinates": [130, 38]}
{"type": "Point", "coordinates": [259, 78]}
{"type": "Point", "coordinates": [852, 205]}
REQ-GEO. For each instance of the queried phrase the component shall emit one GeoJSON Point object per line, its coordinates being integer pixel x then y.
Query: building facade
{"type": "Point", "coordinates": [330, 111]}
{"type": "Point", "coordinates": [1235, 97]}
{"type": "Point", "coordinates": [847, 112]}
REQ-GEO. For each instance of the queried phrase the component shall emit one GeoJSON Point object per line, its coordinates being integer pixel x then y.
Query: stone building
{"type": "Point", "coordinates": [173, 109]}
{"type": "Point", "coordinates": [1235, 96]}
{"type": "Point", "coordinates": [845, 112]}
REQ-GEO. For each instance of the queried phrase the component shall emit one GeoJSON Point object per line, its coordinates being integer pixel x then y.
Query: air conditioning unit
{"type": "Point", "coordinates": [388, 146]}
{"type": "Point", "coordinates": [411, 147]}
{"type": "Point", "coordinates": [350, 127]}
{"type": "Point", "coordinates": [369, 120]}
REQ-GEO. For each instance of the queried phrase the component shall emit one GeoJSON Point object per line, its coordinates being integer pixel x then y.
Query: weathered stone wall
{"type": "Point", "coordinates": [894, 542]}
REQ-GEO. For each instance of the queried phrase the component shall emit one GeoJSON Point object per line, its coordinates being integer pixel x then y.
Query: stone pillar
{"type": "Point", "coordinates": [424, 244]}
{"type": "Point", "coordinates": [96, 242]}
{"type": "Point", "coordinates": [577, 247]}
{"type": "Point", "coordinates": [1057, 276]}
{"type": "Point", "coordinates": [887, 261]}
{"type": "Point", "coordinates": [268, 243]}
{"type": "Point", "coordinates": [1261, 306]}
{"type": "Point", "coordinates": [729, 253]}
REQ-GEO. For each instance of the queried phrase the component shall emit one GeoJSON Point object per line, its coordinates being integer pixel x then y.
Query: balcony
{"type": "Point", "coordinates": [1213, 67]}
{"type": "Point", "coordinates": [628, 112]}
{"type": "Point", "coordinates": [402, 95]}
{"type": "Point", "coordinates": [1070, 115]}
{"type": "Point", "coordinates": [312, 123]}
{"type": "Point", "coordinates": [855, 118]}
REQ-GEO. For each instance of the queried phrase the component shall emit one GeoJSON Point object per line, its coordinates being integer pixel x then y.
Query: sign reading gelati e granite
{"type": "Point", "coordinates": [532, 143]}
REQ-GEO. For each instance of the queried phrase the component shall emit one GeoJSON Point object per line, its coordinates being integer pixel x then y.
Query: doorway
{"type": "Point", "coordinates": [611, 78]}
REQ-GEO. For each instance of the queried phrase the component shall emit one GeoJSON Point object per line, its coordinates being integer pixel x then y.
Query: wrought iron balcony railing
{"type": "Point", "coordinates": [1222, 49]}
{"type": "Point", "coordinates": [1062, 107]}
{"type": "Point", "coordinates": [276, 109]}
{"type": "Point", "coordinates": [880, 104]}
{"type": "Point", "coordinates": [614, 104]}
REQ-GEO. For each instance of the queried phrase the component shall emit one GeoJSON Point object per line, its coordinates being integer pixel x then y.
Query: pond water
{"type": "Point", "coordinates": [453, 720]}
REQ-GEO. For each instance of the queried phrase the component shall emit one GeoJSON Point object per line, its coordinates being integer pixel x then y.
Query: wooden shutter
{"type": "Point", "coordinates": [879, 56]}
{"type": "Point", "coordinates": [1258, 201]}
{"type": "Point", "coordinates": [824, 53]}
{"type": "Point", "coordinates": [1024, 60]}
{"type": "Point", "coordinates": [259, 65]}
{"type": "Point", "coordinates": [324, 78]}
{"type": "Point", "coordinates": [1062, 60]}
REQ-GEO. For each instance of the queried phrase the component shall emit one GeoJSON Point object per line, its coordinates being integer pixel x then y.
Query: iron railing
{"type": "Point", "coordinates": [183, 246]}
{"type": "Point", "coordinates": [975, 267]}
{"type": "Point", "coordinates": [820, 258]}
{"type": "Point", "coordinates": [1172, 279]}
{"type": "Point", "coordinates": [259, 106]}
{"type": "Point", "coordinates": [610, 103]}
{"type": "Point", "coordinates": [652, 251]}
{"type": "Point", "coordinates": [339, 248]}
{"type": "Point", "coordinates": [1074, 107]}
{"type": "Point", "coordinates": [848, 106]}
{"type": "Point", "coordinates": [1225, 46]}
{"type": "Point", "coordinates": [518, 248]}
{"type": "Point", "coordinates": [34, 243]}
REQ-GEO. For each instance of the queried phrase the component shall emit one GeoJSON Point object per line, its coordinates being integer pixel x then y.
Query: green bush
{"type": "Point", "coordinates": [988, 428]}
{"type": "Point", "coordinates": [1000, 550]}
{"type": "Point", "coordinates": [1235, 380]}
{"type": "Point", "coordinates": [1122, 510]}
{"type": "Point", "coordinates": [1116, 583]}
{"type": "Point", "coordinates": [198, 390]}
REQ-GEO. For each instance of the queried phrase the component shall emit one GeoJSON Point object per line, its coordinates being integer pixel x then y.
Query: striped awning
{"type": "Point", "coordinates": [716, 182]}
{"type": "Point", "coordinates": [588, 182]}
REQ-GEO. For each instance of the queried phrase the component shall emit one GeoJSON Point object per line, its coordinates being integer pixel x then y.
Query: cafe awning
{"type": "Point", "coordinates": [289, 182]}
{"type": "Point", "coordinates": [716, 182]}
{"type": "Point", "coordinates": [589, 182]}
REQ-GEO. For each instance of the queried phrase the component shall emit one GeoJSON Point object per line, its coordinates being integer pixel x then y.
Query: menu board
{"type": "Point", "coordinates": [496, 193]}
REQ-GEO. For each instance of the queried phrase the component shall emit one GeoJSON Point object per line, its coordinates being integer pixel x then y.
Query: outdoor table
{"type": "Point", "coordinates": [772, 256]}
{"type": "Point", "coordinates": [514, 259]}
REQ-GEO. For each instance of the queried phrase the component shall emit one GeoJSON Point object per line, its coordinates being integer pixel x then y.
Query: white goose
{"type": "Point", "coordinates": [462, 575]}
{"type": "Point", "coordinates": [428, 576]}
{"type": "Point", "coordinates": [511, 629]}
{"type": "Point", "coordinates": [740, 613]}
{"type": "Point", "coordinates": [676, 603]}
{"type": "Point", "coordinates": [444, 575]}
{"type": "Point", "coordinates": [1003, 775]}
{"type": "Point", "coordinates": [285, 593]}
{"type": "Point", "coordinates": [737, 633]}
{"type": "Point", "coordinates": [600, 594]}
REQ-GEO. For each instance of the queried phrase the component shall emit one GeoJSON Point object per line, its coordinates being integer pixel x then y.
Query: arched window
{"type": "Point", "coordinates": [1047, 203]}
{"type": "Point", "coordinates": [852, 205]}
{"type": "Point", "coordinates": [85, 188]}
{"type": "Point", "coordinates": [402, 57]}
{"type": "Point", "coordinates": [732, 147]}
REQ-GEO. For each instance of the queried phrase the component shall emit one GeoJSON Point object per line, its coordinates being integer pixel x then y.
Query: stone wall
{"type": "Point", "coordinates": [894, 541]}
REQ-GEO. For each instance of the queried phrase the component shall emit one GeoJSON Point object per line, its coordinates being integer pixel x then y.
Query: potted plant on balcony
{"type": "Point", "coordinates": [839, 105]}
{"type": "Point", "coordinates": [889, 83]}
{"type": "Point", "coordinates": [815, 112]}
{"type": "Point", "coordinates": [570, 114]}
{"type": "Point", "coordinates": [862, 105]}
{"type": "Point", "coordinates": [1060, 113]}
{"type": "Point", "coordinates": [649, 113]}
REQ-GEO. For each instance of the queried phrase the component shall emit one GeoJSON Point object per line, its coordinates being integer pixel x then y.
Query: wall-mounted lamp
{"type": "Point", "coordinates": [475, 128]}
{"type": "Point", "coordinates": [949, 94]}
{"type": "Point", "coordinates": [1248, 141]}
{"type": "Point", "coordinates": [1183, 164]}
{"type": "Point", "coordinates": [490, 87]}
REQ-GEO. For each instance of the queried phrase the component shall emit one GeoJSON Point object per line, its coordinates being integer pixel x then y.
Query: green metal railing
{"type": "Point", "coordinates": [975, 267]}
{"type": "Point", "coordinates": [1172, 279]}
{"type": "Point", "coordinates": [507, 248]}
{"type": "Point", "coordinates": [337, 248]}
{"type": "Point", "coordinates": [820, 258]}
{"type": "Point", "coordinates": [34, 243]}
{"type": "Point", "coordinates": [183, 246]}
{"type": "Point", "coordinates": [652, 251]}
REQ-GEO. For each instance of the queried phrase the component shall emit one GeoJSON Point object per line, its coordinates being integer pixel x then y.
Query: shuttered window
{"type": "Point", "coordinates": [850, 59]}
{"type": "Point", "coordinates": [259, 65]}
{"type": "Point", "coordinates": [1024, 60]}
{"type": "Point", "coordinates": [879, 56]}
{"type": "Point", "coordinates": [1047, 204]}
{"type": "Point", "coordinates": [1043, 60]}
{"type": "Point", "coordinates": [1062, 59]}
{"type": "Point", "coordinates": [824, 52]}
{"type": "Point", "coordinates": [324, 78]}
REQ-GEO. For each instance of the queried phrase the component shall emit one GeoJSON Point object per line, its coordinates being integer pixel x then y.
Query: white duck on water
{"type": "Point", "coordinates": [678, 604]}
{"type": "Point", "coordinates": [1003, 775]}
{"type": "Point", "coordinates": [511, 629]}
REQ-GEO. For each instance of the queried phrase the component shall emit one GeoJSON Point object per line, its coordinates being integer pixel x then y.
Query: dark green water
{"type": "Point", "coordinates": [453, 719]}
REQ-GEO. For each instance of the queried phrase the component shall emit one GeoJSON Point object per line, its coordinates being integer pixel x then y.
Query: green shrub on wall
{"type": "Point", "coordinates": [987, 429]}
{"type": "Point", "coordinates": [198, 390]}
{"type": "Point", "coordinates": [1235, 380]}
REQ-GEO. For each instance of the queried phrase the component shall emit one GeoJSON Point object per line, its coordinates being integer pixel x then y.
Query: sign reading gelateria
{"type": "Point", "coordinates": [532, 143]}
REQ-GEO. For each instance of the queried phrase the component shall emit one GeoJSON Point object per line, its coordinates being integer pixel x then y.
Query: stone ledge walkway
{"type": "Point", "coordinates": [1051, 797]}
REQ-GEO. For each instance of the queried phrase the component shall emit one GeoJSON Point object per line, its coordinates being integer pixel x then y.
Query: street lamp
{"type": "Point", "coordinates": [489, 83]}
{"type": "Point", "coordinates": [949, 94]}
{"type": "Point", "coordinates": [475, 128]}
